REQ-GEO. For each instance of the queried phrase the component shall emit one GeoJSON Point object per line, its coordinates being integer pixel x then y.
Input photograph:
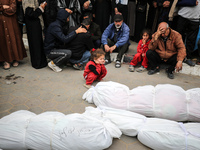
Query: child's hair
{"type": "Point", "coordinates": [148, 31]}
{"type": "Point", "coordinates": [96, 53]}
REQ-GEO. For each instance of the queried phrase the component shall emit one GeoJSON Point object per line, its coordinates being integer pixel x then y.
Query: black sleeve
{"type": "Point", "coordinates": [31, 13]}
{"type": "Point", "coordinates": [113, 3]}
{"type": "Point", "coordinates": [93, 69]}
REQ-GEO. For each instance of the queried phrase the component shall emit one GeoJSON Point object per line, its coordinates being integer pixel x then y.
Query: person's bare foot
{"type": "Point", "coordinates": [6, 66]}
{"type": "Point", "coordinates": [15, 64]}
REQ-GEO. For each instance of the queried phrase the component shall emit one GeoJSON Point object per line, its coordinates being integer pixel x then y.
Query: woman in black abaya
{"type": "Point", "coordinates": [34, 25]}
{"type": "Point", "coordinates": [102, 10]}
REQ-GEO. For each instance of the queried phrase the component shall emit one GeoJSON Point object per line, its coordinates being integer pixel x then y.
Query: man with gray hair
{"type": "Point", "coordinates": [115, 38]}
{"type": "Point", "coordinates": [166, 46]}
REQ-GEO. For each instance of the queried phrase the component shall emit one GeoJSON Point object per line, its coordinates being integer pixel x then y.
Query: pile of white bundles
{"type": "Point", "coordinates": [23, 130]}
{"type": "Point", "coordinates": [162, 101]}
{"type": "Point", "coordinates": [158, 134]}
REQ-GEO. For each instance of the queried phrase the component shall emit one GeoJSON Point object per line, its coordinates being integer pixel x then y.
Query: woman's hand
{"type": "Point", "coordinates": [6, 6]}
{"type": "Point", "coordinates": [43, 5]}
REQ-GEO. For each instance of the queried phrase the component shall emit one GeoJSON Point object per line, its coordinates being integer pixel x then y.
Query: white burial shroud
{"type": "Point", "coordinates": [24, 130]}
{"type": "Point", "coordinates": [162, 101]}
{"type": "Point", "coordinates": [158, 134]}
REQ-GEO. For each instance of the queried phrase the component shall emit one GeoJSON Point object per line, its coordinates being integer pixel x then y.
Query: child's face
{"type": "Point", "coordinates": [145, 36]}
{"type": "Point", "coordinates": [100, 60]}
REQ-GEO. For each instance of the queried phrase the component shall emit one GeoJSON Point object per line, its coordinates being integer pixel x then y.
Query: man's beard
{"type": "Point", "coordinates": [118, 26]}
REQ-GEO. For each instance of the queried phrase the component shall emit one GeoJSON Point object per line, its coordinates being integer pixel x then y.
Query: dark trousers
{"type": "Point", "coordinates": [121, 50]}
{"type": "Point", "coordinates": [59, 56]}
{"type": "Point", "coordinates": [189, 30]}
{"type": "Point", "coordinates": [97, 44]}
{"type": "Point", "coordinates": [155, 60]}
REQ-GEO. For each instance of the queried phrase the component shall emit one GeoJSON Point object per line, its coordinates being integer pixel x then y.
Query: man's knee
{"type": "Point", "coordinates": [149, 54]}
{"type": "Point", "coordinates": [97, 43]}
{"type": "Point", "coordinates": [67, 54]}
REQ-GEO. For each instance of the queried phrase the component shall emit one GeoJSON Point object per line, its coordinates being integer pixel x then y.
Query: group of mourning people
{"type": "Point", "coordinates": [64, 31]}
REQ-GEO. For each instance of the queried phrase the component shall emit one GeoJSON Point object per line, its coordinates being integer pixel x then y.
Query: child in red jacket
{"type": "Point", "coordinates": [141, 53]}
{"type": "Point", "coordinates": [95, 68]}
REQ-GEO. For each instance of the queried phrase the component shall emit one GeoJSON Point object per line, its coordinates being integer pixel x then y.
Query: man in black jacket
{"type": "Point", "coordinates": [94, 30]}
{"type": "Point", "coordinates": [55, 39]}
{"type": "Point", "coordinates": [80, 46]}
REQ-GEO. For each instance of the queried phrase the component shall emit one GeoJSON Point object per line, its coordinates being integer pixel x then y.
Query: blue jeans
{"type": "Point", "coordinates": [84, 59]}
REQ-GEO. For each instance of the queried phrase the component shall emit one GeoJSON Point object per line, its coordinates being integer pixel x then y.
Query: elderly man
{"type": "Point", "coordinates": [116, 38]}
{"type": "Point", "coordinates": [166, 46]}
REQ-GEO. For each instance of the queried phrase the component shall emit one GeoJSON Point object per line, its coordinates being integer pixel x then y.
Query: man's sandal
{"type": "Point", "coordinates": [117, 64]}
{"type": "Point", "coordinates": [78, 66]}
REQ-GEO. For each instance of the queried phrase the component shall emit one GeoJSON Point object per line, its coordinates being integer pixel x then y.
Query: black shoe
{"type": "Point", "coordinates": [107, 61]}
{"type": "Point", "coordinates": [190, 62]}
{"type": "Point", "coordinates": [150, 72]}
{"type": "Point", "coordinates": [170, 75]}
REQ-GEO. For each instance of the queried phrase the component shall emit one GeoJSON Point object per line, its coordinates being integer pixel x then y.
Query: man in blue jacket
{"type": "Point", "coordinates": [115, 38]}
{"type": "Point", "coordinates": [55, 40]}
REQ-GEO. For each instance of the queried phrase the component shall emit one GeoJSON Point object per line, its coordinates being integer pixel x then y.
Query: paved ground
{"type": "Point", "coordinates": [44, 90]}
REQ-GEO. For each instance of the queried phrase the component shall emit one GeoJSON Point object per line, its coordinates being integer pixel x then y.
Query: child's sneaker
{"type": "Point", "coordinates": [141, 69]}
{"type": "Point", "coordinates": [87, 86]}
{"type": "Point", "coordinates": [131, 68]}
{"type": "Point", "coordinates": [54, 67]}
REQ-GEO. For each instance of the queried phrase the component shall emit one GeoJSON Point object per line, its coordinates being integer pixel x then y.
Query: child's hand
{"type": "Point", "coordinates": [103, 62]}
{"type": "Point", "coordinates": [144, 41]}
{"type": "Point", "coordinates": [142, 54]}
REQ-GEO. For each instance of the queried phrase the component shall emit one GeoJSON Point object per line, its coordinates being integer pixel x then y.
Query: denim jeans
{"type": "Point", "coordinates": [84, 59]}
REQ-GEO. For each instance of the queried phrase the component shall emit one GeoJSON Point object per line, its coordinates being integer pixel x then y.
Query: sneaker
{"type": "Point", "coordinates": [107, 61]}
{"type": "Point", "coordinates": [54, 67]}
{"type": "Point", "coordinates": [141, 69]}
{"type": "Point", "coordinates": [117, 64]}
{"type": "Point", "coordinates": [190, 62]}
{"type": "Point", "coordinates": [87, 86]}
{"type": "Point", "coordinates": [131, 68]}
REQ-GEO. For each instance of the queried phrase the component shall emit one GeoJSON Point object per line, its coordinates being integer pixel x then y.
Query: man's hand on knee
{"type": "Point", "coordinates": [113, 48]}
{"type": "Point", "coordinates": [107, 48]}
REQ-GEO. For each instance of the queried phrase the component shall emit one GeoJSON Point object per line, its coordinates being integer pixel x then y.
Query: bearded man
{"type": "Point", "coordinates": [115, 38]}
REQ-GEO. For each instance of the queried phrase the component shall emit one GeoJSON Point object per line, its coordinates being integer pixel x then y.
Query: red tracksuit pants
{"type": "Point", "coordinates": [138, 58]}
{"type": "Point", "coordinates": [91, 77]}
